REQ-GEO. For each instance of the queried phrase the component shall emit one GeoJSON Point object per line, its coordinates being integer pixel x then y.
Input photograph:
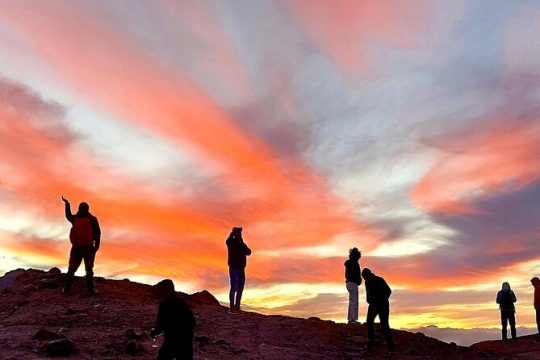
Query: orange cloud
{"type": "Point", "coordinates": [478, 161]}
{"type": "Point", "coordinates": [280, 201]}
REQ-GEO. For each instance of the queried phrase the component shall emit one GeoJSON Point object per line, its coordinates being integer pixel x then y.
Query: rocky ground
{"type": "Point", "coordinates": [38, 321]}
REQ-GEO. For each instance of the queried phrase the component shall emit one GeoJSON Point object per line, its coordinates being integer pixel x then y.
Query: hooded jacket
{"type": "Point", "coordinates": [506, 298]}
{"type": "Point", "coordinates": [352, 271]}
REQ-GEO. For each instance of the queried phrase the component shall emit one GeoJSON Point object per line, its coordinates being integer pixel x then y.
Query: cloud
{"type": "Point", "coordinates": [344, 30]}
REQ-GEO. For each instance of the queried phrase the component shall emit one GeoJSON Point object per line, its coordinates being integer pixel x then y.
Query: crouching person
{"type": "Point", "coordinates": [176, 320]}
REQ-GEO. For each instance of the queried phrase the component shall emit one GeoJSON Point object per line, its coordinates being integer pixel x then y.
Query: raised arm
{"type": "Point", "coordinates": [67, 208]}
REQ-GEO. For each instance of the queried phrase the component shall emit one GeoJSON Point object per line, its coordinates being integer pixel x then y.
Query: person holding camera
{"type": "Point", "coordinates": [237, 260]}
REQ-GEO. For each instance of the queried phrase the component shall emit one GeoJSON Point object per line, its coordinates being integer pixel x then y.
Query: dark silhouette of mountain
{"type": "Point", "coordinates": [37, 320]}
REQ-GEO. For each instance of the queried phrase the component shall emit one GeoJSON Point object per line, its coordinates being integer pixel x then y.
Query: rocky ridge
{"type": "Point", "coordinates": [38, 321]}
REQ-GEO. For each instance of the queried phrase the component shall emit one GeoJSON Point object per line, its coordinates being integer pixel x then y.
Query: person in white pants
{"type": "Point", "coordinates": [352, 282]}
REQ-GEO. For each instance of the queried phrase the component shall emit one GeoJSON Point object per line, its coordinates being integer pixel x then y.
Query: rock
{"type": "Point", "coordinates": [132, 334]}
{"type": "Point", "coordinates": [133, 347]}
{"type": "Point", "coordinates": [203, 298]}
{"type": "Point", "coordinates": [26, 289]}
{"type": "Point", "coordinates": [61, 347]}
{"type": "Point", "coordinates": [222, 343]}
{"type": "Point", "coordinates": [202, 340]}
{"type": "Point", "coordinates": [9, 278]}
{"type": "Point", "coordinates": [47, 335]}
{"type": "Point", "coordinates": [49, 284]}
{"type": "Point", "coordinates": [54, 272]}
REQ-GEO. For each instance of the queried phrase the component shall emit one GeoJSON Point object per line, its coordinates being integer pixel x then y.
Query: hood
{"type": "Point", "coordinates": [505, 286]}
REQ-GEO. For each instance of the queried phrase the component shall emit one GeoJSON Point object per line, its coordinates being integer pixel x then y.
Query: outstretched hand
{"type": "Point", "coordinates": [66, 201]}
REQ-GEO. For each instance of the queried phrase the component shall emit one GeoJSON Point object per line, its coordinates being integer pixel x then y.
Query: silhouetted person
{"type": "Point", "coordinates": [85, 236]}
{"type": "Point", "coordinates": [536, 283]}
{"type": "Point", "coordinates": [506, 299]}
{"type": "Point", "coordinates": [352, 281]}
{"type": "Point", "coordinates": [237, 253]}
{"type": "Point", "coordinates": [176, 320]}
{"type": "Point", "coordinates": [377, 294]}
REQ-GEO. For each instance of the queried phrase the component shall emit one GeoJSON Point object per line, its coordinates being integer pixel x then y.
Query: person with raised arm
{"type": "Point", "coordinates": [85, 238]}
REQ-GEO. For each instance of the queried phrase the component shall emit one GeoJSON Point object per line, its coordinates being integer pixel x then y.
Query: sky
{"type": "Point", "coordinates": [408, 129]}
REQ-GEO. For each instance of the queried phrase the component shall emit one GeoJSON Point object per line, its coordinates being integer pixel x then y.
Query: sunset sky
{"type": "Point", "coordinates": [409, 129]}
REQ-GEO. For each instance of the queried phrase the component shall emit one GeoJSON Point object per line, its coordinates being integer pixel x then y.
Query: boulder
{"type": "Point", "coordinates": [203, 298]}
{"type": "Point", "coordinates": [60, 347]}
{"type": "Point", "coordinates": [47, 335]}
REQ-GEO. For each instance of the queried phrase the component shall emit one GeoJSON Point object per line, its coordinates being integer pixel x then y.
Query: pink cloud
{"type": "Point", "coordinates": [344, 29]}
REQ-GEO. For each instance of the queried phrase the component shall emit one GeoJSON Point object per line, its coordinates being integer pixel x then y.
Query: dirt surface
{"type": "Point", "coordinates": [38, 321]}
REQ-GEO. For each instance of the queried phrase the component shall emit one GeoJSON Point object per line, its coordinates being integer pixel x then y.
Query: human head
{"type": "Point", "coordinates": [236, 231]}
{"type": "Point", "coordinates": [366, 273]}
{"type": "Point", "coordinates": [84, 208]}
{"type": "Point", "coordinates": [505, 286]}
{"type": "Point", "coordinates": [354, 254]}
{"type": "Point", "coordinates": [164, 289]}
{"type": "Point", "coordinates": [535, 281]}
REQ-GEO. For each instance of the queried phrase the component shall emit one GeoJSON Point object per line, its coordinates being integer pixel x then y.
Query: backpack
{"type": "Point", "coordinates": [81, 232]}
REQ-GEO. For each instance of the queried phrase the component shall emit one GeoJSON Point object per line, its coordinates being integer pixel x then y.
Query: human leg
{"type": "Point", "coordinates": [504, 323]}
{"type": "Point", "coordinates": [233, 276]}
{"type": "Point", "coordinates": [241, 283]}
{"type": "Point", "coordinates": [538, 320]}
{"type": "Point", "coordinates": [352, 313]}
{"type": "Point", "coordinates": [75, 259]}
{"type": "Point", "coordinates": [384, 315]}
{"type": "Point", "coordinates": [89, 258]}
{"type": "Point", "coordinates": [370, 318]}
{"type": "Point", "coordinates": [512, 321]}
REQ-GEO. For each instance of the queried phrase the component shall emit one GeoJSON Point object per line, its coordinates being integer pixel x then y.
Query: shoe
{"type": "Point", "coordinates": [92, 291]}
{"type": "Point", "coordinates": [353, 322]}
{"type": "Point", "coordinates": [66, 291]}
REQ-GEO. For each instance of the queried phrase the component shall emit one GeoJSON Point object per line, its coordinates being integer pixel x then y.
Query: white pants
{"type": "Point", "coordinates": [352, 314]}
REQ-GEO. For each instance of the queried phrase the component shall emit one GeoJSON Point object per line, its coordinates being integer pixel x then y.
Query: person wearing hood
{"type": "Point", "coordinates": [506, 299]}
{"type": "Point", "coordinates": [352, 282]}
{"type": "Point", "coordinates": [536, 283]}
{"type": "Point", "coordinates": [85, 237]}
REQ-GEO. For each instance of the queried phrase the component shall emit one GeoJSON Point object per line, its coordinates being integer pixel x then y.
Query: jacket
{"type": "Point", "coordinates": [506, 298]}
{"type": "Point", "coordinates": [352, 272]}
{"type": "Point", "coordinates": [377, 291]}
{"type": "Point", "coordinates": [175, 318]}
{"type": "Point", "coordinates": [96, 231]}
{"type": "Point", "coordinates": [237, 252]}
